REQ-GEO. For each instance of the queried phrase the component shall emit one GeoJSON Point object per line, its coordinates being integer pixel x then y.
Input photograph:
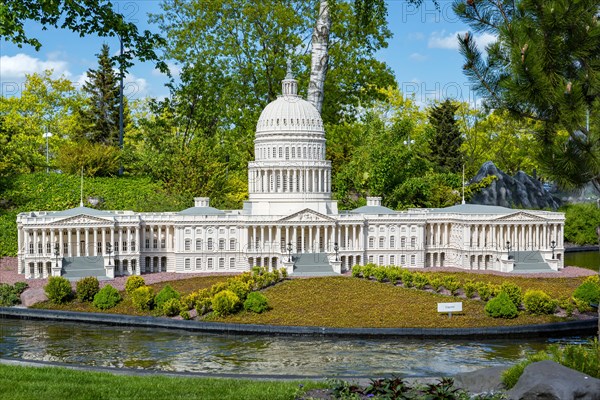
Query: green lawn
{"type": "Point", "coordinates": [49, 383]}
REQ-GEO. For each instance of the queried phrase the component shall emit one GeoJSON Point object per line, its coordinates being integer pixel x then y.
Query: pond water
{"type": "Point", "coordinates": [584, 259]}
{"type": "Point", "coordinates": [156, 349]}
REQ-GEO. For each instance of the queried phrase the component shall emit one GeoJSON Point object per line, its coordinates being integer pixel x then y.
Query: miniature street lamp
{"type": "Point", "coordinates": [336, 248]}
{"type": "Point", "coordinates": [289, 249]}
{"type": "Point", "coordinates": [108, 250]}
{"type": "Point", "coordinates": [508, 246]}
{"type": "Point", "coordinates": [56, 253]}
{"type": "Point", "coordinates": [553, 246]}
{"type": "Point", "coordinates": [47, 135]}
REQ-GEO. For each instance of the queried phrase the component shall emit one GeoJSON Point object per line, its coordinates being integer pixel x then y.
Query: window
{"type": "Point", "coordinates": [116, 247]}
{"type": "Point", "coordinates": [392, 260]}
{"type": "Point", "coordinates": [232, 263]}
{"type": "Point", "coordinates": [402, 242]}
{"type": "Point", "coordinates": [198, 244]}
{"type": "Point", "coordinates": [163, 243]}
{"type": "Point", "coordinates": [155, 243]}
{"type": "Point", "coordinates": [381, 242]}
{"type": "Point", "coordinates": [40, 248]}
{"type": "Point", "coordinates": [402, 260]}
{"type": "Point", "coordinates": [209, 244]}
{"type": "Point", "coordinates": [381, 260]}
{"type": "Point", "coordinates": [198, 263]}
{"type": "Point", "coordinates": [187, 264]}
{"type": "Point", "coordinates": [231, 244]}
{"type": "Point", "coordinates": [221, 244]}
{"type": "Point", "coordinates": [48, 247]}
{"type": "Point", "coordinates": [293, 152]}
{"type": "Point", "coordinates": [221, 263]}
{"type": "Point", "coordinates": [188, 231]}
{"type": "Point", "coordinates": [370, 259]}
{"type": "Point", "coordinates": [413, 242]}
{"type": "Point", "coordinates": [280, 152]}
{"type": "Point", "coordinates": [188, 244]}
{"type": "Point", "coordinates": [392, 242]}
{"type": "Point", "coordinates": [287, 153]}
{"type": "Point", "coordinates": [31, 247]}
{"type": "Point", "coordinates": [65, 248]}
{"type": "Point", "coordinates": [209, 264]}
{"type": "Point", "coordinates": [413, 260]}
{"type": "Point", "coordinates": [198, 231]}
{"type": "Point", "coordinates": [147, 243]}
{"type": "Point", "coordinates": [371, 242]}
{"type": "Point", "coordinates": [124, 245]}
{"type": "Point", "coordinates": [99, 247]}
{"type": "Point", "coordinates": [133, 245]}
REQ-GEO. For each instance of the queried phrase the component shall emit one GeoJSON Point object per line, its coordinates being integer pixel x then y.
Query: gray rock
{"type": "Point", "coordinates": [547, 380]}
{"type": "Point", "coordinates": [486, 380]}
{"type": "Point", "coordinates": [520, 191]}
{"type": "Point", "coordinates": [31, 296]}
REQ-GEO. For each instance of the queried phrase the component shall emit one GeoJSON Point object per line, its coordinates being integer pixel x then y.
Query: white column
{"type": "Point", "coordinates": [60, 242]}
{"type": "Point", "coordinates": [302, 244]}
{"type": "Point", "coordinates": [44, 243]}
{"type": "Point", "coordinates": [346, 236]}
{"type": "Point", "coordinates": [78, 244]}
{"type": "Point", "coordinates": [310, 239]}
{"type": "Point", "coordinates": [295, 239]}
{"type": "Point", "coordinates": [103, 248]}
{"type": "Point", "coordinates": [159, 236]}
{"type": "Point", "coordinates": [95, 241]}
{"type": "Point", "coordinates": [253, 238]}
{"type": "Point", "coordinates": [120, 245]}
{"type": "Point", "coordinates": [151, 237]}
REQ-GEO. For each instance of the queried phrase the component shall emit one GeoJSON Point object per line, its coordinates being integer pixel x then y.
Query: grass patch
{"type": "Point", "coordinates": [60, 383]}
{"type": "Point", "coordinates": [347, 302]}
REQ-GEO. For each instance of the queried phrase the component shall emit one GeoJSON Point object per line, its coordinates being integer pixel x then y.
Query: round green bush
{"type": "Point", "coordinates": [171, 307]}
{"type": "Point", "coordinates": [58, 290]}
{"type": "Point", "coordinates": [356, 271]}
{"type": "Point", "coordinates": [225, 302]}
{"type": "Point", "coordinates": [20, 287]}
{"type": "Point", "coordinates": [469, 287]}
{"type": "Point", "coordinates": [283, 272]}
{"type": "Point", "coordinates": [167, 293]}
{"type": "Point", "coordinates": [256, 302]}
{"type": "Point", "coordinates": [142, 298]}
{"type": "Point", "coordinates": [420, 280]}
{"type": "Point", "coordinates": [588, 291]}
{"type": "Point", "coordinates": [134, 282]}
{"type": "Point", "coordinates": [484, 290]}
{"type": "Point", "coordinates": [106, 298]}
{"type": "Point", "coordinates": [538, 302]}
{"type": "Point", "coordinates": [394, 274]}
{"type": "Point", "coordinates": [451, 283]}
{"type": "Point", "coordinates": [9, 295]}
{"type": "Point", "coordinates": [501, 306]}
{"type": "Point", "coordinates": [241, 289]}
{"type": "Point", "coordinates": [514, 292]}
{"type": "Point", "coordinates": [407, 278]}
{"type": "Point", "coordinates": [87, 288]}
{"type": "Point", "coordinates": [185, 314]}
{"type": "Point", "coordinates": [380, 274]}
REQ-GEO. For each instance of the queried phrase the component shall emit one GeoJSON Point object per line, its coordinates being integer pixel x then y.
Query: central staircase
{"type": "Point", "coordinates": [312, 264]}
{"type": "Point", "coordinates": [75, 268]}
{"type": "Point", "coordinates": [529, 262]}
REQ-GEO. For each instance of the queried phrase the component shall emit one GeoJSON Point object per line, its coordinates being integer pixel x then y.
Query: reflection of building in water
{"type": "Point", "coordinates": [289, 221]}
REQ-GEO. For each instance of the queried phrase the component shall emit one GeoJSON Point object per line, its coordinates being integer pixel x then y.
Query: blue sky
{"type": "Point", "coordinates": [423, 53]}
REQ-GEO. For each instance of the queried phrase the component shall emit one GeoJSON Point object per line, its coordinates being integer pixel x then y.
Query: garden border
{"type": "Point", "coordinates": [582, 327]}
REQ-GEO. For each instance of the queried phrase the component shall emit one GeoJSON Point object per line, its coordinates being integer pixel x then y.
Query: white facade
{"type": "Point", "coordinates": [289, 210]}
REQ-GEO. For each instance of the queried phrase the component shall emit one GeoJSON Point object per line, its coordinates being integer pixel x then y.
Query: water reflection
{"type": "Point", "coordinates": [584, 259]}
{"type": "Point", "coordinates": [157, 349]}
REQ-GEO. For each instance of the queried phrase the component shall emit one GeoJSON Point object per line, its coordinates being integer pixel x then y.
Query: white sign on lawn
{"type": "Point", "coordinates": [450, 308]}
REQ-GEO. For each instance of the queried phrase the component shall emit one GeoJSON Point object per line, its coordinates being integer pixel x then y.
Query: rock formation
{"type": "Point", "coordinates": [520, 191]}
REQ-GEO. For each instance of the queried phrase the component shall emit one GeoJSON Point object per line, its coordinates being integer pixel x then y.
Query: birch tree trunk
{"type": "Point", "coordinates": [319, 57]}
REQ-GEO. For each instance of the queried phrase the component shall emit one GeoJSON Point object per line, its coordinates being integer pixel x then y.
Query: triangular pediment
{"type": "Point", "coordinates": [83, 219]}
{"type": "Point", "coordinates": [307, 215]}
{"type": "Point", "coordinates": [520, 216]}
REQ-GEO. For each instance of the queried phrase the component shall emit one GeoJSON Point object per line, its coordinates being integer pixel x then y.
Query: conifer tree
{"type": "Point", "coordinates": [100, 115]}
{"type": "Point", "coordinates": [446, 139]}
{"type": "Point", "coordinates": [544, 66]}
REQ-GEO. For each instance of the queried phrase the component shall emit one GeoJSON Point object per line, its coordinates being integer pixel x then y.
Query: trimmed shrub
{"type": "Point", "coordinates": [568, 305]}
{"type": "Point", "coordinates": [9, 295]}
{"type": "Point", "coordinates": [436, 283]}
{"type": "Point", "coordinates": [171, 307]}
{"type": "Point", "coordinates": [451, 283]}
{"type": "Point", "coordinates": [185, 314]}
{"type": "Point", "coordinates": [283, 272]}
{"type": "Point", "coordinates": [484, 290]}
{"type": "Point", "coordinates": [588, 291]}
{"type": "Point", "coordinates": [407, 278]}
{"type": "Point", "coordinates": [582, 305]}
{"type": "Point", "coordinates": [538, 302]}
{"type": "Point", "coordinates": [203, 305]}
{"type": "Point", "coordinates": [58, 290]}
{"type": "Point", "coordinates": [165, 294]}
{"type": "Point", "coordinates": [134, 282]}
{"type": "Point", "coordinates": [380, 274]}
{"type": "Point", "coordinates": [220, 286]}
{"type": "Point", "coordinates": [106, 298]}
{"type": "Point", "coordinates": [241, 289]}
{"type": "Point", "coordinates": [394, 274]}
{"type": "Point", "coordinates": [367, 270]}
{"type": "Point", "coordinates": [142, 298]}
{"type": "Point", "coordinates": [469, 287]}
{"type": "Point", "coordinates": [20, 287]}
{"type": "Point", "coordinates": [501, 306]}
{"type": "Point", "coordinates": [357, 271]}
{"type": "Point", "coordinates": [87, 288]}
{"type": "Point", "coordinates": [256, 302]}
{"type": "Point", "coordinates": [225, 303]}
{"type": "Point", "coordinates": [420, 280]}
{"type": "Point", "coordinates": [514, 292]}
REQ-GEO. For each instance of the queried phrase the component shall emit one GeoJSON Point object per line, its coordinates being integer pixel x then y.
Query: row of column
{"type": "Point", "coordinates": [275, 180]}
{"type": "Point", "coordinates": [305, 238]}
{"type": "Point", "coordinates": [80, 242]}
{"type": "Point", "coordinates": [313, 152]}
{"type": "Point", "coordinates": [521, 236]}
{"type": "Point", "coordinates": [439, 234]}
{"type": "Point", "coordinates": [158, 236]}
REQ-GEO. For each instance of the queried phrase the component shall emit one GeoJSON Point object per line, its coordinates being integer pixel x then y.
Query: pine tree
{"type": "Point", "coordinates": [544, 66]}
{"type": "Point", "coordinates": [446, 139]}
{"type": "Point", "coordinates": [100, 116]}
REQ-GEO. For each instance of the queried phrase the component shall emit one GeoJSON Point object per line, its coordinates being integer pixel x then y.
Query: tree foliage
{"type": "Point", "coordinates": [543, 66]}
{"type": "Point", "coordinates": [446, 138]}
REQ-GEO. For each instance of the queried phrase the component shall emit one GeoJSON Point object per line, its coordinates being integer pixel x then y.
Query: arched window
{"type": "Point", "coordinates": [209, 244]}
{"type": "Point", "coordinates": [371, 242]}
{"type": "Point", "coordinates": [381, 242]}
{"type": "Point", "coordinates": [287, 153]}
{"type": "Point", "coordinates": [392, 242]}
{"type": "Point", "coordinates": [188, 244]}
{"type": "Point", "coordinates": [198, 244]}
{"type": "Point", "coordinates": [231, 244]}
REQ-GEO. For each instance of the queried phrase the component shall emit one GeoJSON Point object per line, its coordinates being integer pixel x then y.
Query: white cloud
{"type": "Point", "coordinates": [17, 66]}
{"type": "Point", "coordinates": [135, 87]}
{"type": "Point", "coordinates": [174, 68]}
{"type": "Point", "coordinates": [417, 57]}
{"type": "Point", "coordinates": [442, 40]}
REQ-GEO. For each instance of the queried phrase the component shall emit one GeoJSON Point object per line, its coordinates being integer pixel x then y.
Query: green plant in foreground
{"type": "Point", "coordinates": [513, 291]}
{"type": "Point", "coordinates": [501, 306]}
{"type": "Point", "coordinates": [87, 288]}
{"type": "Point", "coordinates": [142, 298]}
{"type": "Point", "coordinates": [538, 302]}
{"type": "Point", "coordinates": [58, 289]}
{"type": "Point", "coordinates": [10, 295]}
{"type": "Point", "coordinates": [469, 287]}
{"type": "Point", "coordinates": [588, 291]}
{"type": "Point", "coordinates": [106, 298]}
{"type": "Point", "coordinates": [166, 294]}
{"type": "Point", "coordinates": [133, 282]}
{"type": "Point", "coordinates": [256, 302]}
{"type": "Point", "coordinates": [225, 302]}
{"type": "Point", "coordinates": [171, 307]}
{"type": "Point", "coordinates": [420, 280]}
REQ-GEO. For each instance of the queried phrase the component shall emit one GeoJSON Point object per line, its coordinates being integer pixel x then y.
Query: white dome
{"type": "Point", "coordinates": [290, 112]}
